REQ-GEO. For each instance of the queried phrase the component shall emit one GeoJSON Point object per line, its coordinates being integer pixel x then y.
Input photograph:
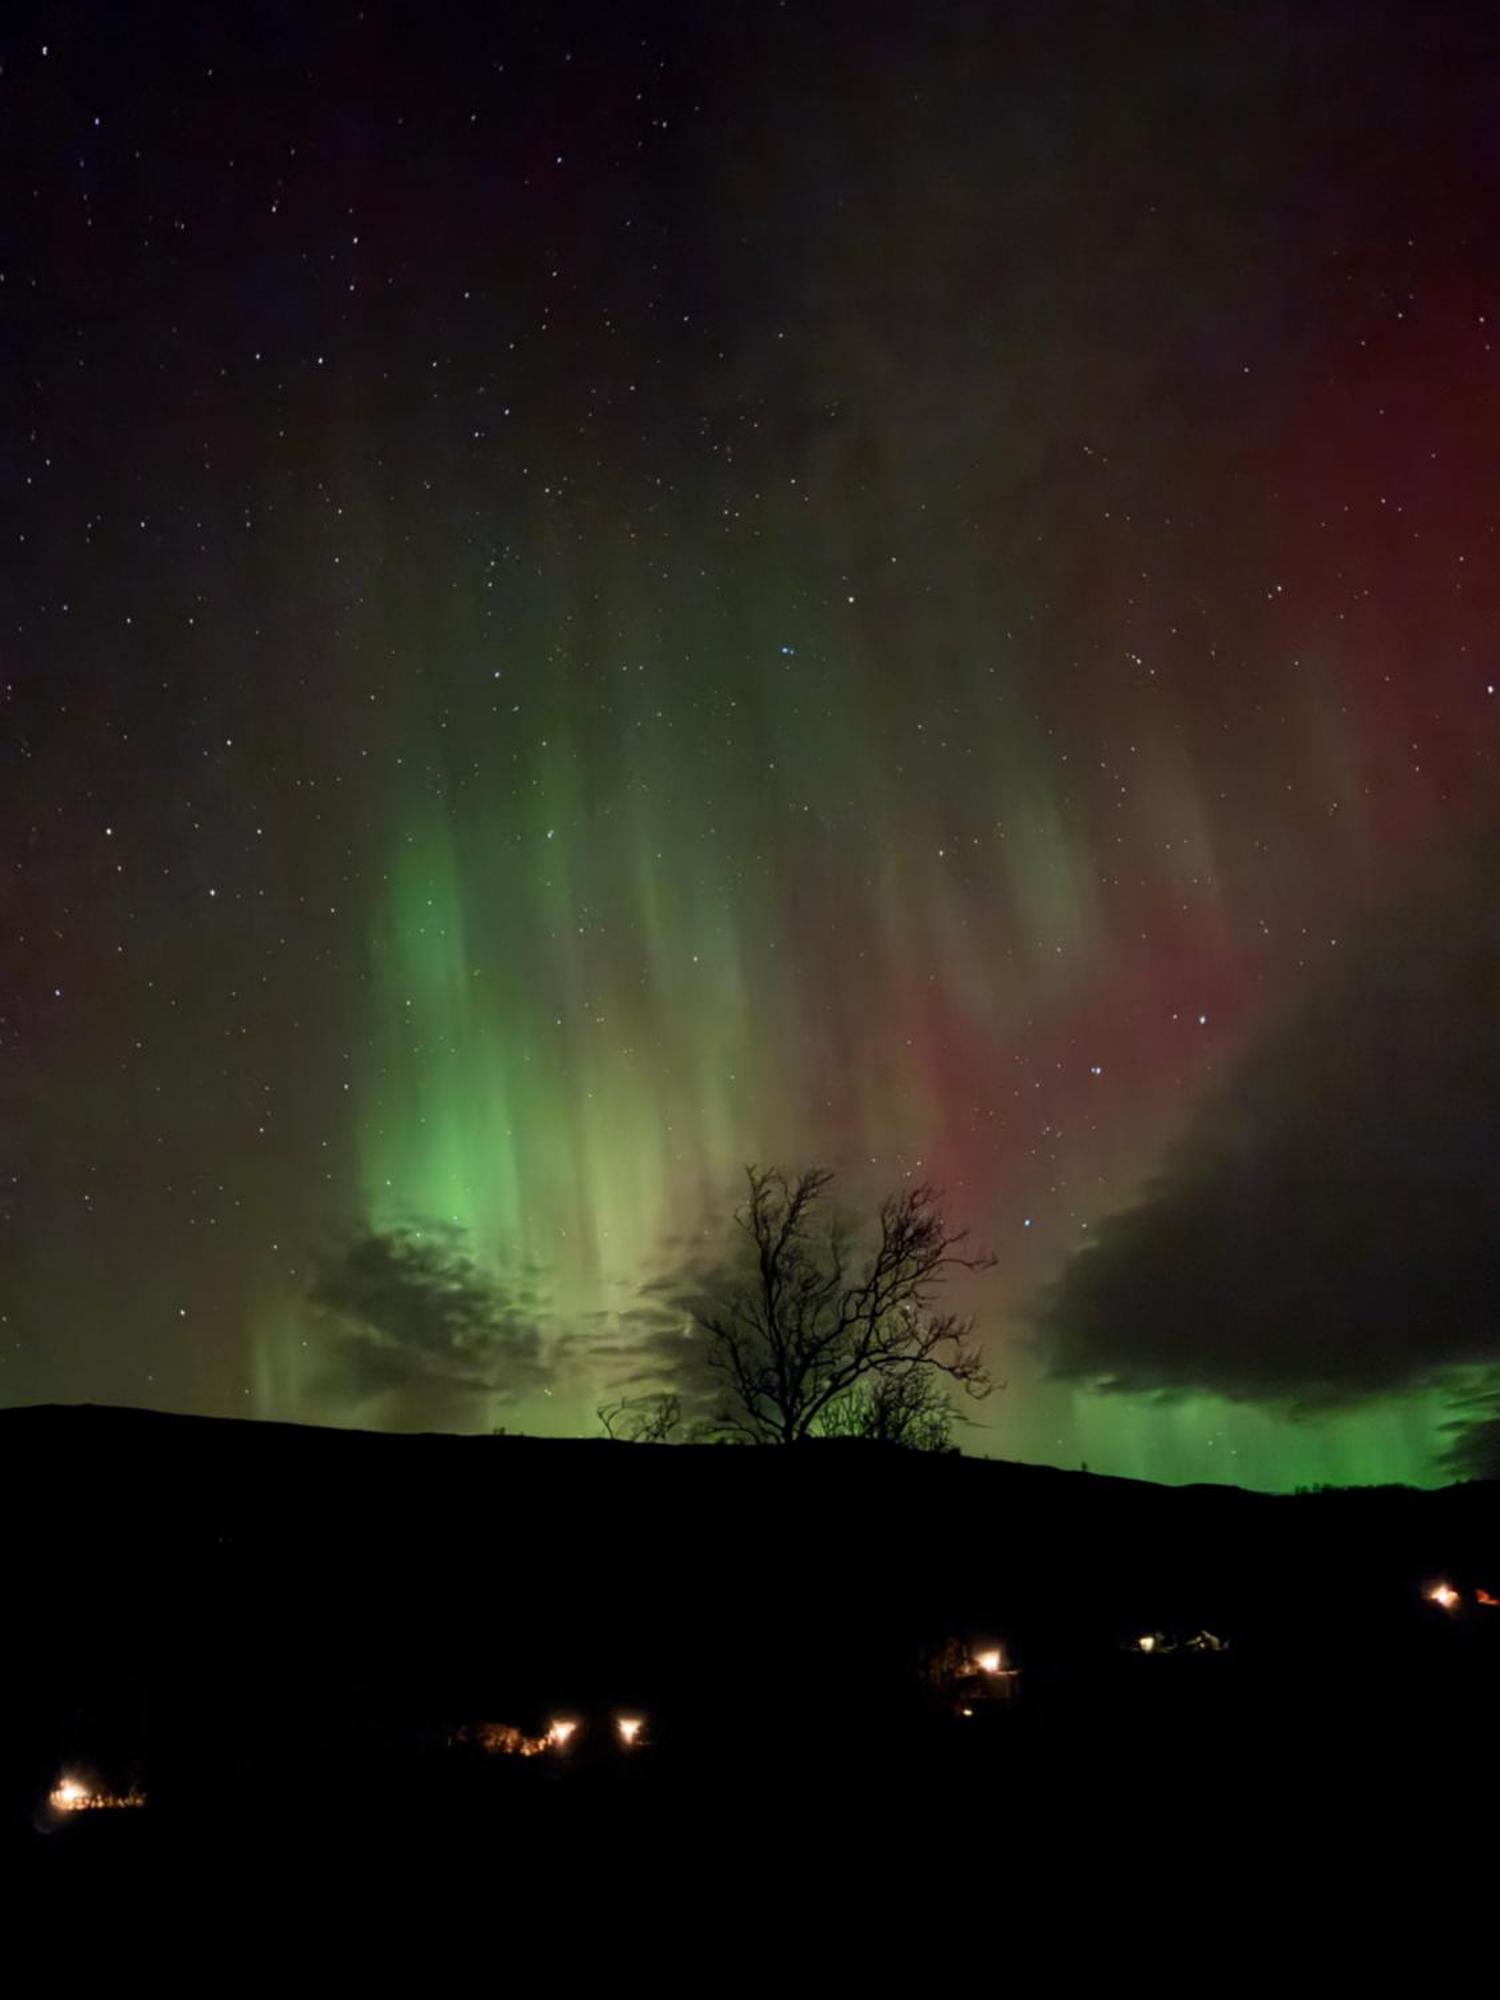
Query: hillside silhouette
{"type": "Point", "coordinates": [214, 1609]}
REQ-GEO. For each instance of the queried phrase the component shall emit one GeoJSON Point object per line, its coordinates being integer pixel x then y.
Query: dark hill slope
{"type": "Point", "coordinates": [190, 1582]}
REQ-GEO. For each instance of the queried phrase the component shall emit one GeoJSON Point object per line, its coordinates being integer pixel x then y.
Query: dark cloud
{"type": "Point", "coordinates": [1329, 1228]}
{"type": "Point", "coordinates": [653, 1346]}
{"type": "Point", "coordinates": [415, 1322]}
{"type": "Point", "coordinates": [1473, 1451]}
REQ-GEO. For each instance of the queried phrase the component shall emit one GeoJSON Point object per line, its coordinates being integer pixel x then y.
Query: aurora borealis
{"type": "Point", "coordinates": [594, 594]}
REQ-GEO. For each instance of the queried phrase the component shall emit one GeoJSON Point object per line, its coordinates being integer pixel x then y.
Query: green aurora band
{"type": "Point", "coordinates": [576, 1032]}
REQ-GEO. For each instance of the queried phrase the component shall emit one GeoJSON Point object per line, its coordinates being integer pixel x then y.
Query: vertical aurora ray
{"type": "Point", "coordinates": [437, 1134]}
{"type": "Point", "coordinates": [550, 1062]}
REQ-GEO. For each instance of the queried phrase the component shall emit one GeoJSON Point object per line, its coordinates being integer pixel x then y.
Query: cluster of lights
{"type": "Point", "coordinates": [1446, 1598]}
{"type": "Point", "coordinates": [988, 1663]}
{"type": "Point", "coordinates": [71, 1795]}
{"type": "Point", "coordinates": [629, 1730]}
{"type": "Point", "coordinates": [1201, 1642]}
{"type": "Point", "coordinates": [499, 1739]}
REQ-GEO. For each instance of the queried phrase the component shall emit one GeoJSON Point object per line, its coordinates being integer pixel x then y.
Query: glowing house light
{"type": "Point", "coordinates": [69, 1796]}
{"type": "Point", "coordinates": [990, 1661]}
{"type": "Point", "coordinates": [1444, 1595]}
{"type": "Point", "coordinates": [561, 1732]}
{"type": "Point", "coordinates": [628, 1728]}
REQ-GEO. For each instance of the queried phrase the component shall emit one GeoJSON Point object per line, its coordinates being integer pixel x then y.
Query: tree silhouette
{"type": "Point", "coordinates": [654, 1419]}
{"type": "Point", "coordinates": [815, 1335]}
{"type": "Point", "coordinates": [910, 1408]}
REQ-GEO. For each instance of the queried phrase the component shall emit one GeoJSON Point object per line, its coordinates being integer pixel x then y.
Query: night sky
{"type": "Point", "coordinates": [595, 594]}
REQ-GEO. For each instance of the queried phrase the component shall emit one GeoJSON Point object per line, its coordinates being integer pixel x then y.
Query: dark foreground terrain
{"type": "Point", "coordinates": [288, 1642]}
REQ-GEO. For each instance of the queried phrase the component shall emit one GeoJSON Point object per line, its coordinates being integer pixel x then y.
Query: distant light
{"type": "Point", "coordinates": [628, 1728]}
{"type": "Point", "coordinates": [561, 1732]}
{"type": "Point", "coordinates": [989, 1662]}
{"type": "Point", "coordinates": [1445, 1595]}
{"type": "Point", "coordinates": [1147, 1642]}
{"type": "Point", "coordinates": [69, 1796]}
{"type": "Point", "coordinates": [966, 1711]}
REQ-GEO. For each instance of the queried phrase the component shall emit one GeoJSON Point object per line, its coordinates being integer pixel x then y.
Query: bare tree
{"type": "Point", "coordinates": [816, 1330]}
{"type": "Point", "coordinates": [910, 1408]}
{"type": "Point", "coordinates": [642, 1419]}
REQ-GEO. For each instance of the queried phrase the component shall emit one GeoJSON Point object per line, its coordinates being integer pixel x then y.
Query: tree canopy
{"type": "Point", "coordinates": [816, 1335]}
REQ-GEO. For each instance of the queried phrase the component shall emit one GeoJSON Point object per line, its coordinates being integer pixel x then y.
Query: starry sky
{"type": "Point", "coordinates": [596, 593]}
